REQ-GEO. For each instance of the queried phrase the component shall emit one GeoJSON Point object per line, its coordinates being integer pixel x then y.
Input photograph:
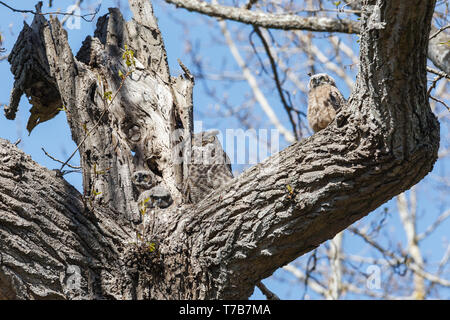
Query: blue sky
{"type": "Point", "coordinates": [54, 135]}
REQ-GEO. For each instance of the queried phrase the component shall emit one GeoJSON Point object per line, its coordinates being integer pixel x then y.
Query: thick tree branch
{"type": "Point", "coordinates": [269, 20]}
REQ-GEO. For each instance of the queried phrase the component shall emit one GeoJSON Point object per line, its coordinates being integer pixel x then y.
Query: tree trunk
{"type": "Point", "coordinates": [383, 141]}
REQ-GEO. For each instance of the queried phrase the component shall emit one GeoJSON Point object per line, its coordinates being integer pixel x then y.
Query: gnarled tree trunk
{"type": "Point", "coordinates": [384, 141]}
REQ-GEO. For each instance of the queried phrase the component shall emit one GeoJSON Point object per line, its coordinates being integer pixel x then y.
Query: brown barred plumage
{"type": "Point", "coordinates": [324, 101]}
{"type": "Point", "coordinates": [210, 167]}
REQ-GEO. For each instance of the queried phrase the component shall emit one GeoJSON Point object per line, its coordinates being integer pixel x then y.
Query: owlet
{"type": "Point", "coordinates": [324, 101]}
{"type": "Point", "coordinates": [209, 168]}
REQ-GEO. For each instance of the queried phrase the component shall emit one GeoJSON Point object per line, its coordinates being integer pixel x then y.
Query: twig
{"type": "Point", "coordinates": [75, 6]}
{"type": "Point", "coordinates": [311, 282]}
{"type": "Point", "coordinates": [259, 96]}
{"type": "Point", "coordinates": [273, 65]}
{"type": "Point", "coordinates": [309, 270]}
{"type": "Point", "coordinates": [440, 101]}
{"type": "Point", "coordinates": [186, 71]}
{"type": "Point", "coordinates": [439, 31]}
{"type": "Point", "coordinates": [433, 84]}
{"type": "Point", "coordinates": [442, 265]}
{"type": "Point", "coordinates": [434, 225]}
{"type": "Point", "coordinates": [397, 261]}
{"type": "Point", "coordinates": [250, 4]}
{"type": "Point", "coordinates": [403, 259]}
{"type": "Point", "coordinates": [57, 160]}
{"type": "Point", "coordinates": [98, 121]}
{"type": "Point", "coordinates": [269, 294]}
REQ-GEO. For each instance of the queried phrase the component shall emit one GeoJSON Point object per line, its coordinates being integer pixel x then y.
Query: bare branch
{"type": "Point", "coordinates": [75, 6]}
{"type": "Point", "coordinates": [408, 217]}
{"type": "Point", "coordinates": [269, 294]}
{"type": "Point", "coordinates": [441, 102]}
{"type": "Point", "coordinates": [433, 226]}
{"type": "Point", "coordinates": [57, 160]}
{"type": "Point", "coordinates": [439, 73]}
{"type": "Point", "coordinates": [401, 260]}
{"type": "Point", "coordinates": [287, 107]}
{"type": "Point", "coordinates": [439, 31]}
{"type": "Point", "coordinates": [38, 12]}
{"type": "Point", "coordinates": [438, 52]}
{"type": "Point", "coordinates": [269, 20]}
{"type": "Point", "coordinates": [335, 256]}
{"type": "Point", "coordinates": [314, 285]}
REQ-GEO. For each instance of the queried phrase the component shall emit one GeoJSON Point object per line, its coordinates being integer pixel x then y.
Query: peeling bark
{"type": "Point", "coordinates": [384, 141]}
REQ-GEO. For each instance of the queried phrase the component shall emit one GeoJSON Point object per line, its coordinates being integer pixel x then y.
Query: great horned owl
{"type": "Point", "coordinates": [209, 167]}
{"type": "Point", "coordinates": [324, 101]}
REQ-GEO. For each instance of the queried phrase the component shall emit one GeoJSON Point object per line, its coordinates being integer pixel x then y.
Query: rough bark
{"type": "Point", "coordinates": [46, 229]}
{"type": "Point", "coordinates": [383, 142]}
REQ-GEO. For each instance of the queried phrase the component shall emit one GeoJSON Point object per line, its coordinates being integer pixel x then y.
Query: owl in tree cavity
{"type": "Point", "coordinates": [324, 101]}
{"type": "Point", "coordinates": [151, 192]}
{"type": "Point", "coordinates": [209, 167]}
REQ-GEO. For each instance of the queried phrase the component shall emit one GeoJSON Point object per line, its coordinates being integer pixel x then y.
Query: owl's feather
{"type": "Point", "coordinates": [209, 169]}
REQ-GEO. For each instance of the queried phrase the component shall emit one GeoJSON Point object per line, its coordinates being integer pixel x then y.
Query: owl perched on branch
{"type": "Point", "coordinates": [324, 101]}
{"type": "Point", "coordinates": [209, 167]}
